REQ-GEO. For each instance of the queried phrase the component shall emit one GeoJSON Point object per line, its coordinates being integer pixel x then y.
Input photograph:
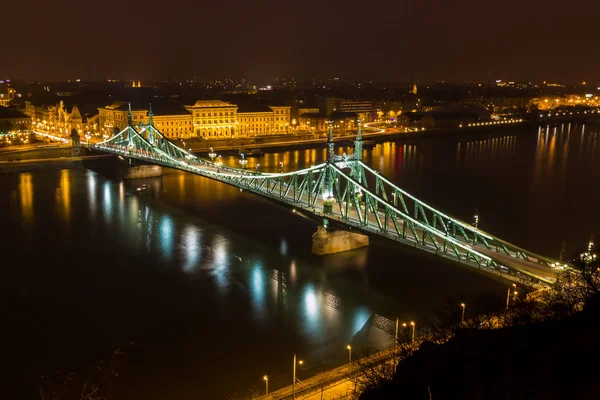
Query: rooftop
{"type": "Point", "coordinates": [211, 103]}
{"type": "Point", "coordinates": [123, 105]}
{"type": "Point", "coordinates": [170, 109]}
{"type": "Point", "coordinates": [249, 108]}
{"type": "Point", "coordinates": [10, 112]}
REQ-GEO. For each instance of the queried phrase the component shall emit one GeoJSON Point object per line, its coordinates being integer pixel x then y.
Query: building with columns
{"type": "Point", "coordinates": [213, 119]}
{"type": "Point", "coordinates": [208, 119]}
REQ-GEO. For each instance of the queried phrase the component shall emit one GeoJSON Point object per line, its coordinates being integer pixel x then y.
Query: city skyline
{"type": "Point", "coordinates": [393, 42]}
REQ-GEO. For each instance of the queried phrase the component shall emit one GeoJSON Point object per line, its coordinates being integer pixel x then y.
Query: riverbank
{"type": "Point", "coordinates": [381, 135]}
{"type": "Point", "coordinates": [300, 141]}
{"type": "Point", "coordinates": [52, 163]}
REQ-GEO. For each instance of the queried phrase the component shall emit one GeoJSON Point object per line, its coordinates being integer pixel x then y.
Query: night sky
{"type": "Point", "coordinates": [525, 40]}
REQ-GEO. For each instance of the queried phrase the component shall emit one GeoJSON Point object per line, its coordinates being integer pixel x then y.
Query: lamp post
{"type": "Point", "coordinates": [396, 335]}
{"type": "Point", "coordinates": [349, 354]}
{"type": "Point", "coordinates": [300, 362]}
{"type": "Point", "coordinates": [508, 294]}
{"type": "Point", "coordinates": [462, 318]}
{"type": "Point", "coordinates": [266, 379]}
{"type": "Point", "coordinates": [412, 323]}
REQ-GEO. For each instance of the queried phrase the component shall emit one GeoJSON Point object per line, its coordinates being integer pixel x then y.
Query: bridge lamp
{"type": "Point", "coordinates": [412, 323]}
{"type": "Point", "coordinates": [462, 319]}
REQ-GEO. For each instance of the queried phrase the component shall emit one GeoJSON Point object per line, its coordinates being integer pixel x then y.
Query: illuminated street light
{"type": "Point", "coordinates": [412, 323]}
{"type": "Point", "coordinates": [462, 319]}
{"type": "Point", "coordinates": [349, 353]}
{"type": "Point", "coordinates": [266, 379]}
{"type": "Point", "coordinates": [396, 335]}
{"type": "Point", "coordinates": [300, 362]}
{"type": "Point", "coordinates": [508, 294]}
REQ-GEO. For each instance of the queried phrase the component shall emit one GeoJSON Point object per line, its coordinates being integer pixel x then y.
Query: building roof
{"type": "Point", "coordinates": [124, 106]}
{"type": "Point", "coordinates": [249, 108]}
{"type": "Point", "coordinates": [212, 103]}
{"type": "Point", "coordinates": [170, 109]}
{"type": "Point", "coordinates": [11, 112]}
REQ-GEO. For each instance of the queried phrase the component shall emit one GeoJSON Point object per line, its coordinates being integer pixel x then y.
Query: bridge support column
{"type": "Point", "coordinates": [330, 242]}
{"type": "Point", "coordinates": [143, 171]}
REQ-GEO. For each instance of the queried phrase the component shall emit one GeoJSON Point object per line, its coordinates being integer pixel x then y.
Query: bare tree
{"type": "Point", "coordinates": [96, 384]}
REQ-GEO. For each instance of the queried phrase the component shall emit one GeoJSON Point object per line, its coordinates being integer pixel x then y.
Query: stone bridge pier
{"type": "Point", "coordinates": [326, 241]}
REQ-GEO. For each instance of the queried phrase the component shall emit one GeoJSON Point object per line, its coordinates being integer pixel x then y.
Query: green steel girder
{"type": "Point", "coordinates": [304, 189]}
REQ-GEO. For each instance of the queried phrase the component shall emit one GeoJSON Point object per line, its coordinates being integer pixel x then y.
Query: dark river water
{"type": "Point", "coordinates": [209, 288]}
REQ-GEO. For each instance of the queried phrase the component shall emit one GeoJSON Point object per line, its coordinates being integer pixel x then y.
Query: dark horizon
{"type": "Point", "coordinates": [434, 41]}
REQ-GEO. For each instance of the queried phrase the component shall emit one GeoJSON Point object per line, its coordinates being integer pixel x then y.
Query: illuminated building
{"type": "Point", "coordinates": [363, 108]}
{"type": "Point", "coordinates": [7, 94]}
{"type": "Point", "coordinates": [213, 119]}
{"type": "Point", "coordinates": [12, 119]}
{"type": "Point", "coordinates": [113, 118]}
{"type": "Point", "coordinates": [315, 122]}
{"type": "Point", "coordinates": [257, 120]}
{"type": "Point", "coordinates": [174, 123]}
{"type": "Point", "coordinates": [208, 119]}
{"type": "Point", "coordinates": [281, 119]}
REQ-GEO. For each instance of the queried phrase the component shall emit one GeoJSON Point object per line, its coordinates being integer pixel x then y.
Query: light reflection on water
{"type": "Point", "coordinates": [166, 236]}
{"type": "Point", "coordinates": [192, 247]}
{"type": "Point", "coordinates": [263, 276]}
{"type": "Point", "coordinates": [258, 289]}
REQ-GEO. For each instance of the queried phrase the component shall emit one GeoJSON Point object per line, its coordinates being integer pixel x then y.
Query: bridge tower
{"type": "Point", "coordinates": [129, 116]}
{"type": "Point", "coordinates": [150, 124]}
{"type": "Point", "coordinates": [358, 143]}
{"type": "Point", "coordinates": [328, 184]}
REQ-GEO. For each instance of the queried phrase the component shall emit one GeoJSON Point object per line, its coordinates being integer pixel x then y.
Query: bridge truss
{"type": "Point", "coordinates": [346, 190]}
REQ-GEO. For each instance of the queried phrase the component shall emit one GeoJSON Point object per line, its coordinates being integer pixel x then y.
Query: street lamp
{"type": "Point", "coordinates": [508, 294]}
{"type": "Point", "coordinates": [396, 335]}
{"type": "Point", "coordinates": [462, 319]}
{"type": "Point", "coordinates": [266, 379]}
{"type": "Point", "coordinates": [412, 323]}
{"type": "Point", "coordinates": [257, 166]}
{"type": "Point", "coordinates": [349, 353]}
{"type": "Point", "coordinates": [300, 362]}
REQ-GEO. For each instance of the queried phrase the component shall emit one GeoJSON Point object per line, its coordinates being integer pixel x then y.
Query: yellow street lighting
{"type": "Point", "coordinates": [266, 379]}
{"type": "Point", "coordinates": [508, 294]}
{"type": "Point", "coordinates": [349, 353]}
{"type": "Point", "coordinates": [412, 323]}
{"type": "Point", "coordinates": [299, 362]}
{"type": "Point", "coordinates": [462, 319]}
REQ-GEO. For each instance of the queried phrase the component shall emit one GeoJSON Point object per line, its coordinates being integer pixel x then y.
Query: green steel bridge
{"type": "Point", "coordinates": [346, 190]}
